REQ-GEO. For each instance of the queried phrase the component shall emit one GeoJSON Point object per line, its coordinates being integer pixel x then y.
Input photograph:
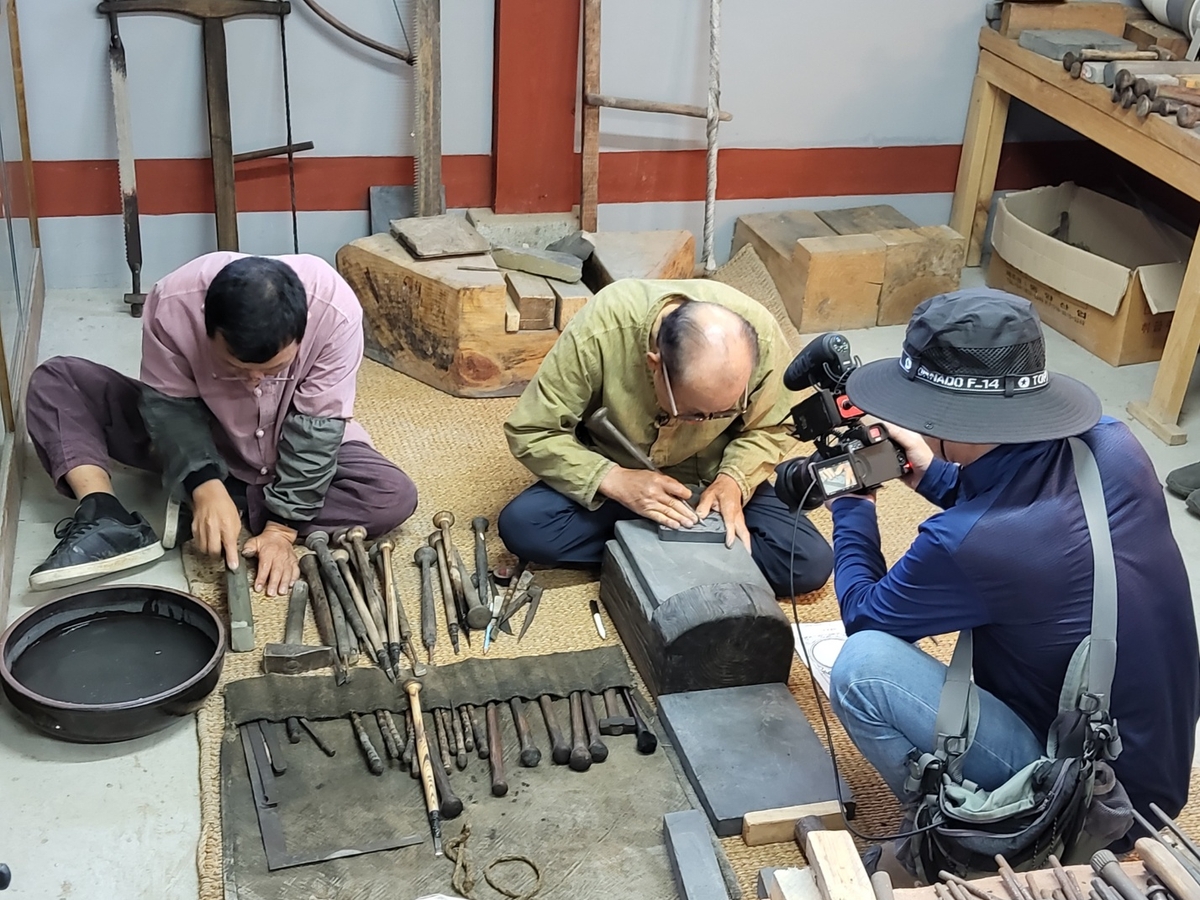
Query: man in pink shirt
{"type": "Point", "coordinates": [245, 403]}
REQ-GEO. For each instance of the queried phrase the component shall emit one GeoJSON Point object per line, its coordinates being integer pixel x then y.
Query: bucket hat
{"type": "Point", "coordinates": [973, 369]}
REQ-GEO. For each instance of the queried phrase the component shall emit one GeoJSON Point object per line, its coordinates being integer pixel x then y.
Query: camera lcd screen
{"type": "Point", "coordinates": [836, 477]}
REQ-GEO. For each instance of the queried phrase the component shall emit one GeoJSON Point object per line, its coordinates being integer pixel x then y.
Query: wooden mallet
{"type": "Point", "coordinates": [413, 688]}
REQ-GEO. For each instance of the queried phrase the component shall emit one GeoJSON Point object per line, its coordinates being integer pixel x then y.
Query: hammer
{"type": "Point", "coordinates": [438, 543]}
{"type": "Point", "coordinates": [356, 614]}
{"type": "Point", "coordinates": [293, 657]}
{"type": "Point", "coordinates": [477, 613]}
{"type": "Point", "coordinates": [318, 541]}
{"type": "Point", "coordinates": [615, 723]}
{"type": "Point", "coordinates": [321, 611]}
{"type": "Point", "coordinates": [352, 540]}
{"type": "Point", "coordinates": [426, 557]}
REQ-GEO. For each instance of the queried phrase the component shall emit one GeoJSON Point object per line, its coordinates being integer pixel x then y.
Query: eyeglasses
{"type": "Point", "coordinates": [703, 417]}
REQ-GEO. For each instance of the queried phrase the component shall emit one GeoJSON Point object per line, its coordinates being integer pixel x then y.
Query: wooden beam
{"type": "Point", "coordinates": [220, 132]}
{"type": "Point", "coordinates": [14, 43]}
{"type": "Point", "coordinates": [978, 164]}
{"type": "Point", "coordinates": [650, 106]}
{"type": "Point", "coordinates": [836, 864]}
{"type": "Point", "coordinates": [777, 826]}
{"type": "Point", "coordinates": [589, 193]}
{"type": "Point", "coordinates": [1107, 17]}
{"type": "Point", "coordinates": [428, 109]}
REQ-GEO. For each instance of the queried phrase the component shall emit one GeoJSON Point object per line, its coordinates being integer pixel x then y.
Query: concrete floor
{"type": "Point", "coordinates": [93, 823]}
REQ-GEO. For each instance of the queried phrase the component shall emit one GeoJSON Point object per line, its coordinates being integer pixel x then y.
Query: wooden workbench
{"type": "Point", "coordinates": [1155, 144]}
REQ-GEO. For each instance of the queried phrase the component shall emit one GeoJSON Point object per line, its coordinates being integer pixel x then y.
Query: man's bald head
{"type": "Point", "coordinates": [708, 350]}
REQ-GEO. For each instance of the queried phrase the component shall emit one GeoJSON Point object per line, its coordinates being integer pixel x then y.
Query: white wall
{"type": "Point", "coordinates": [794, 75]}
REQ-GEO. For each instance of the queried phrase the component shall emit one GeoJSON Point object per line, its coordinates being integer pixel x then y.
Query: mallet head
{"type": "Point", "coordinates": [317, 539]}
{"type": "Point", "coordinates": [443, 519]}
{"type": "Point", "coordinates": [340, 556]}
{"type": "Point", "coordinates": [356, 533]}
{"type": "Point", "coordinates": [479, 524]}
{"type": "Point", "coordinates": [425, 556]}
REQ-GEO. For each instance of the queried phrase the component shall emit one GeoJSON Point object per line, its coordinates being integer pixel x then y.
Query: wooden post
{"type": "Point", "coordinates": [428, 111]}
{"type": "Point", "coordinates": [14, 42]}
{"type": "Point", "coordinates": [220, 132]}
{"type": "Point", "coordinates": [984, 135]}
{"type": "Point", "coordinates": [590, 136]}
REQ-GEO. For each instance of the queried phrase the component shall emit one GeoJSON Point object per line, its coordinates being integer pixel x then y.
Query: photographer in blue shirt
{"type": "Point", "coordinates": [1008, 557]}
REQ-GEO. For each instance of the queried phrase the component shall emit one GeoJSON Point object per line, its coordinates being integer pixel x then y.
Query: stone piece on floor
{"type": "Point", "coordinates": [640, 254]}
{"type": "Point", "coordinates": [534, 299]}
{"type": "Point", "coordinates": [693, 616]}
{"type": "Point", "coordinates": [441, 321]}
{"type": "Point", "coordinates": [432, 237]}
{"type": "Point", "coordinates": [693, 859]}
{"type": "Point", "coordinates": [569, 299]}
{"type": "Point", "coordinates": [522, 229]}
{"type": "Point", "coordinates": [577, 243]}
{"type": "Point", "coordinates": [563, 266]}
{"type": "Point", "coordinates": [865, 219]}
{"type": "Point", "coordinates": [748, 748]}
{"type": "Point", "coordinates": [919, 263]}
{"type": "Point", "coordinates": [1055, 43]}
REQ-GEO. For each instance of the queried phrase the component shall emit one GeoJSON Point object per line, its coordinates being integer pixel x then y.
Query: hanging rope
{"type": "Point", "coordinates": [338, 25]}
{"type": "Point", "coordinates": [714, 114]}
{"type": "Point", "coordinates": [287, 116]}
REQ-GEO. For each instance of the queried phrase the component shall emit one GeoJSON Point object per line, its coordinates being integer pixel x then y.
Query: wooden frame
{"type": "Point", "coordinates": [1155, 144]}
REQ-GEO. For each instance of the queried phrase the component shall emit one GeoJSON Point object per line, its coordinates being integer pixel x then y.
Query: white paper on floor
{"type": "Point", "coordinates": [819, 643]}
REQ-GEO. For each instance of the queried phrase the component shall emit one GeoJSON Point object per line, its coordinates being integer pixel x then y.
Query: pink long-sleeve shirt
{"type": "Point", "coordinates": [178, 360]}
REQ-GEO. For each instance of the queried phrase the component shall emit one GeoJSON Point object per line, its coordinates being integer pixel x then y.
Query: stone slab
{"type": "Point", "coordinates": [865, 219]}
{"type": "Point", "coordinates": [693, 859]}
{"type": "Point", "coordinates": [667, 568]}
{"type": "Point", "coordinates": [577, 243]}
{"type": "Point", "coordinates": [433, 237]}
{"type": "Point", "coordinates": [710, 530]}
{"type": "Point", "coordinates": [387, 202]}
{"type": "Point", "coordinates": [1055, 43]}
{"type": "Point", "coordinates": [522, 229]}
{"type": "Point", "coordinates": [563, 266]}
{"type": "Point", "coordinates": [748, 748]}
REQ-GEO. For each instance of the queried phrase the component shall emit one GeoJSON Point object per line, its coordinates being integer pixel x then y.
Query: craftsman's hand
{"type": "Point", "coordinates": [725, 497]}
{"type": "Point", "coordinates": [917, 451]}
{"type": "Point", "coordinates": [653, 495]}
{"type": "Point", "coordinates": [277, 565]}
{"type": "Point", "coordinates": [216, 522]}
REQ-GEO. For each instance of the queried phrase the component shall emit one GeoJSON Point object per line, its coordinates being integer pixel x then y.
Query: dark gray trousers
{"type": "Point", "coordinates": [82, 413]}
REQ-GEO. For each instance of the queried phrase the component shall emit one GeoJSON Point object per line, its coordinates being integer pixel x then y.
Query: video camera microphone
{"type": "Point", "coordinates": [825, 362]}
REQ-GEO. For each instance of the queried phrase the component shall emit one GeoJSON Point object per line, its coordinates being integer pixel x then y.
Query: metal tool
{"type": "Point", "coordinates": [351, 540]}
{"type": "Point", "coordinates": [459, 737]}
{"type": "Point", "coordinates": [347, 646]}
{"type": "Point", "coordinates": [274, 750]}
{"type": "Point", "coordinates": [617, 721]}
{"type": "Point", "coordinates": [600, 424]}
{"type": "Point", "coordinates": [262, 783]}
{"type": "Point", "coordinates": [596, 620]}
{"type": "Point", "coordinates": [426, 557]}
{"type": "Point", "coordinates": [1188, 864]}
{"type": "Point", "coordinates": [126, 168]}
{"type": "Point", "coordinates": [1066, 881]}
{"type": "Point", "coordinates": [408, 754]}
{"type": "Point", "coordinates": [1165, 867]}
{"type": "Point", "coordinates": [530, 754]}
{"type": "Point", "coordinates": [469, 595]}
{"type": "Point", "coordinates": [580, 759]}
{"type": "Point", "coordinates": [374, 763]}
{"type": "Point", "coordinates": [1106, 866]}
{"type": "Point", "coordinates": [475, 605]}
{"type": "Point", "coordinates": [560, 749]}
{"type": "Point", "coordinates": [647, 740]}
{"type": "Point", "coordinates": [468, 733]}
{"type": "Point", "coordinates": [596, 746]}
{"type": "Point", "coordinates": [495, 618]}
{"type": "Point", "coordinates": [443, 739]}
{"type": "Point", "coordinates": [479, 615]}
{"type": "Point", "coordinates": [968, 887]}
{"type": "Point", "coordinates": [316, 738]}
{"type": "Point", "coordinates": [413, 688]}
{"type": "Point", "coordinates": [481, 740]}
{"type": "Point", "coordinates": [387, 730]}
{"type": "Point", "coordinates": [292, 656]}
{"type": "Point", "coordinates": [241, 613]}
{"type": "Point", "coordinates": [535, 598]}
{"type": "Point", "coordinates": [362, 621]}
{"type": "Point", "coordinates": [496, 752]}
{"type": "Point", "coordinates": [322, 612]}
{"type": "Point", "coordinates": [438, 543]}
{"type": "Point", "coordinates": [1009, 879]}
{"type": "Point", "coordinates": [1174, 829]}
{"type": "Point", "coordinates": [318, 541]}
{"type": "Point", "coordinates": [401, 639]}
{"type": "Point", "coordinates": [516, 595]}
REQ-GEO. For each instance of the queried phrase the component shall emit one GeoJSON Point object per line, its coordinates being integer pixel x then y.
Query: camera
{"type": "Point", "coordinates": [851, 457]}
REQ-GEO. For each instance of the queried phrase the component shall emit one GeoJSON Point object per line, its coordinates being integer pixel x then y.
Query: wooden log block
{"type": "Point", "coordinates": [640, 254]}
{"type": "Point", "coordinates": [842, 276]}
{"type": "Point", "coordinates": [865, 219]}
{"type": "Point", "coordinates": [920, 263]}
{"type": "Point", "coordinates": [1148, 33]}
{"type": "Point", "coordinates": [512, 316]}
{"type": "Point", "coordinates": [440, 321]}
{"type": "Point", "coordinates": [533, 298]}
{"type": "Point", "coordinates": [773, 237]}
{"type": "Point", "coordinates": [1016, 17]}
{"type": "Point", "coordinates": [836, 864]}
{"type": "Point", "coordinates": [569, 300]}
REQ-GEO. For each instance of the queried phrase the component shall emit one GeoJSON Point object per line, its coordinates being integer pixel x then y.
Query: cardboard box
{"type": "Point", "coordinates": [1109, 280]}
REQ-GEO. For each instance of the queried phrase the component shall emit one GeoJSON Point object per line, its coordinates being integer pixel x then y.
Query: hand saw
{"type": "Point", "coordinates": [126, 170]}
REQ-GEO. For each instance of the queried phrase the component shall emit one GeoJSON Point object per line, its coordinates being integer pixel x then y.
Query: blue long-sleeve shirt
{"type": "Point", "coordinates": [1010, 558]}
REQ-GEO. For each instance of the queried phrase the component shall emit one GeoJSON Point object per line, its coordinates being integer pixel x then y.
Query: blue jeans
{"type": "Point", "coordinates": [885, 691]}
{"type": "Point", "coordinates": [541, 525]}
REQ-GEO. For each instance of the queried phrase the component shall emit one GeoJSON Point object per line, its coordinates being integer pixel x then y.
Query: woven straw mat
{"type": "Point", "coordinates": [455, 452]}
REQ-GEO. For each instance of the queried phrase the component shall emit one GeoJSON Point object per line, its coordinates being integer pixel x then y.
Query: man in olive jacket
{"type": "Point", "coordinates": [690, 372]}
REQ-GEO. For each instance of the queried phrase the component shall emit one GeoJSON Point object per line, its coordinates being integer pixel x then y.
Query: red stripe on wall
{"type": "Point", "coordinates": [172, 186]}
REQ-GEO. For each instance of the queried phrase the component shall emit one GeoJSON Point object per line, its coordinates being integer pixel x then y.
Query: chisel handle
{"type": "Point", "coordinates": [1163, 866]}
{"type": "Point", "coordinates": [468, 732]}
{"type": "Point", "coordinates": [451, 806]}
{"type": "Point", "coordinates": [581, 757]}
{"type": "Point", "coordinates": [647, 740]}
{"type": "Point", "coordinates": [374, 763]}
{"type": "Point", "coordinates": [560, 749]}
{"type": "Point", "coordinates": [459, 737]}
{"type": "Point", "coordinates": [413, 688]}
{"type": "Point", "coordinates": [596, 746]}
{"type": "Point", "coordinates": [481, 741]}
{"type": "Point", "coordinates": [496, 752]}
{"type": "Point", "coordinates": [530, 754]}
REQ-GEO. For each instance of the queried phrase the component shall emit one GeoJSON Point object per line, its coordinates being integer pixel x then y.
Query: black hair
{"type": "Point", "coordinates": [259, 307]}
{"type": "Point", "coordinates": [681, 334]}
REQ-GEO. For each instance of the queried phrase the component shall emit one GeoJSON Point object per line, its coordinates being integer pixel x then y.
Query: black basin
{"type": "Point", "coordinates": [112, 664]}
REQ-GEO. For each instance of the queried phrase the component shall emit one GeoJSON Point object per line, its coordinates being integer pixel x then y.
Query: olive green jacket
{"type": "Point", "coordinates": [600, 360]}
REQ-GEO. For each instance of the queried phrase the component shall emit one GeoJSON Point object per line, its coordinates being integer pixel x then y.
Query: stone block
{"type": "Point", "coordinates": [692, 857]}
{"type": "Point", "coordinates": [563, 266]}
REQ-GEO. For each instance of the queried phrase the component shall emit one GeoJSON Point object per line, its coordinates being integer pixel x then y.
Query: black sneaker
{"type": "Point", "coordinates": [1183, 481]}
{"type": "Point", "coordinates": [1193, 503]}
{"type": "Point", "coordinates": [92, 545]}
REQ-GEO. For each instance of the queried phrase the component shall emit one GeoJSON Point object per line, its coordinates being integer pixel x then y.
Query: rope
{"type": "Point", "coordinates": [713, 119]}
{"type": "Point", "coordinates": [463, 880]}
{"type": "Point", "coordinates": [287, 116]}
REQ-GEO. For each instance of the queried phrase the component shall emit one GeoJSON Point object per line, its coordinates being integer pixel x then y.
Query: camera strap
{"type": "Point", "coordinates": [952, 726]}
